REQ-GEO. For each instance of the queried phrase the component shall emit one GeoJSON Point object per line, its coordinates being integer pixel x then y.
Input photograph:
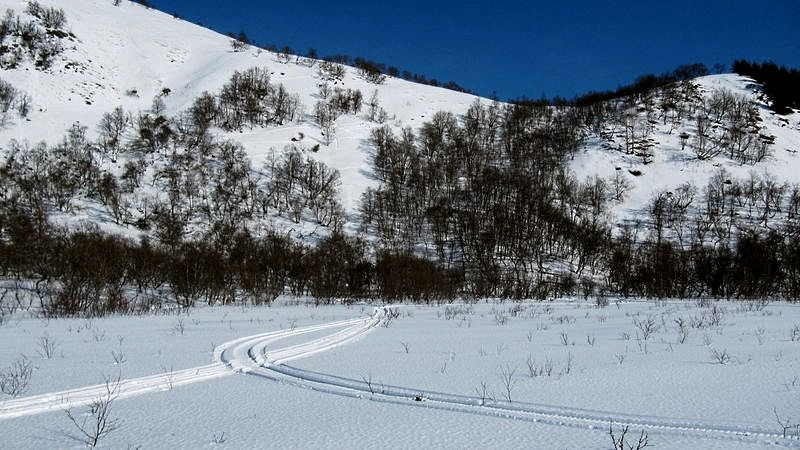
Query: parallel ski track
{"type": "Point", "coordinates": [252, 355]}
{"type": "Point", "coordinates": [529, 412]}
{"type": "Point", "coordinates": [272, 365]}
{"type": "Point", "coordinates": [227, 356]}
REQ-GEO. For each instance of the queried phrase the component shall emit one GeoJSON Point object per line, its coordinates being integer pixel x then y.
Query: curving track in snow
{"type": "Point", "coordinates": [253, 355]}
{"type": "Point", "coordinates": [271, 365]}
{"type": "Point", "coordinates": [231, 355]}
{"type": "Point", "coordinates": [530, 412]}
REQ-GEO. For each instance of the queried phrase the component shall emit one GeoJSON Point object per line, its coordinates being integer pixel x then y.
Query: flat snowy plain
{"type": "Point", "coordinates": [350, 376]}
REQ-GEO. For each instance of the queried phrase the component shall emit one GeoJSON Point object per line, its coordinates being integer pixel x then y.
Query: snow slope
{"type": "Point", "coordinates": [129, 47]}
{"type": "Point", "coordinates": [672, 167]}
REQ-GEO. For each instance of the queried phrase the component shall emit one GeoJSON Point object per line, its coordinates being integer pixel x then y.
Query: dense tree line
{"type": "Point", "coordinates": [481, 205]}
{"type": "Point", "coordinates": [779, 83]}
{"type": "Point", "coordinates": [488, 196]}
{"type": "Point", "coordinates": [87, 273]}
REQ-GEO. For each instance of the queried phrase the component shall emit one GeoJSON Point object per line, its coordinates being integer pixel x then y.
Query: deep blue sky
{"type": "Point", "coordinates": [516, 48]}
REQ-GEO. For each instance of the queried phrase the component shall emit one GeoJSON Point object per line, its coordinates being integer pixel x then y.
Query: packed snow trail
{"type": "Point", "coordinates": [271, 365]}
{"type": "Point", "coordinates": [227, 354]}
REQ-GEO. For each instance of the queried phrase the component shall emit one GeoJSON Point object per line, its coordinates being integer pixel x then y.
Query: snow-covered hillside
{"type": "Point", "coordinates": [127, 55]}
{"type": "Point", "coordinates": [125, 48]}
{"type": "Point", "coordinates": [672, 164]}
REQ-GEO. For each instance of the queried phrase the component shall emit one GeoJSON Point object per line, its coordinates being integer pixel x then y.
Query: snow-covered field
{"type": "Point", "coordinates": [570, 369]}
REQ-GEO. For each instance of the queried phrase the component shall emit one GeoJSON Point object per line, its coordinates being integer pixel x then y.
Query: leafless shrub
{"type": "Point", "coordinates": [47, 347]}
{"type": "Point", "coordinates": [760, 334]}
{"type": "Point", "coordinates": [590, 339]}
{"type": "Point", "coordinates": [238, 46]}
{"type": "Point", "coordinates": [53, 18]}
{"type": "Point", "coordinates": [752, 305]}
{"type": "Point", "coordinates": [368, 381]}
{"type": "Point", "coordinates": [531, 363]}
{"type": "Point", "coordinates": [218, 439]}
{"type": "Point", "coordinates": [330, 71]}
{"type": "Point", "coordinates": [568, 364]}
{"type": "Point", "coordinates": [500, 318]}
{"type": "Point", "coordinates": [793, 383]}
{"type": "Point", "coordinates": [720, 357]}
{"type": "Point", "coordinates": [529, 336]}
{"type": "Point", "coordinates": [540, 370]}
{"type": "Point", "coordinates": [564, 319]}
{"type": "Point", "coordinates": [794, 335]}
{"type": "Point", "coordinates": [716, 316]}
{"type": "Point", "coordinates": [641, 343]}
{"type": "Point", "coordinates": [647, 326]}
{"type": "Point", "coordinates": [564, 338]}
{"type": "Point", "coordinates": [483, 393]}
{"type": "Point", "coordinates": [119, 357]}
{"type": "Point", "coordinates": [169, 376]}
{"type": "Point", "coordinates": [405, 346]}
{"type": "Point", "coordinates": [704, 303]}
{"type": "Point", "coordinates": [683, 330]}
{"type": "Point", "coordinates": [98, 421]}
{"type": "Point", "coordinates": [98, 335]}
{"type": "Point", "coordinates": [507, 380]}
{"type": "Point", "coordinates": [620, 358]}
{"type": "Point", "coordinates": [456, 312]}
{"type": "Point", "coordinates": [790, 428]}
{"type": "Point", "coordinates": [619, 443]}
{"type": "Point", "coordinates": [179, 327]}
{"type": "Point", "coordinates": [697, 322]}
{"type": "Point", "coordinates": [16, 378]}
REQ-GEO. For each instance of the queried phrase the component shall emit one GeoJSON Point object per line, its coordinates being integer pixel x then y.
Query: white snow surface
{"type": "Point", "coordinates": [675, 391]}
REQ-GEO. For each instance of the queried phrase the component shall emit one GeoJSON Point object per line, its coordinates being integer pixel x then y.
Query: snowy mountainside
{"type": "Point", "coordinates": [672, 163]}
{"type": "Point", "coordinates": [127, 55]}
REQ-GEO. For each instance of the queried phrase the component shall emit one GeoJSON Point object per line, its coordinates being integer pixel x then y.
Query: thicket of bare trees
{"type": "Point", "coordinates": [477, 206]}
{"type": "Point", "coordinates": [38, 40]}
